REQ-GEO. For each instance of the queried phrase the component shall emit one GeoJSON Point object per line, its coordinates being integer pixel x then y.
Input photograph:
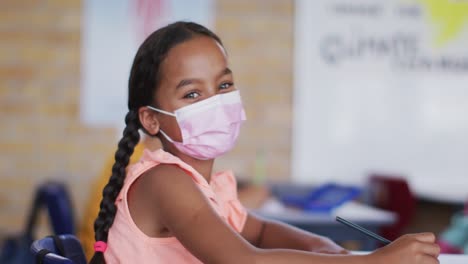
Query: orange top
{"type": "Point", "coordinates": [128, 244]}
{"type": "Point", "coordinates": [86, 231]}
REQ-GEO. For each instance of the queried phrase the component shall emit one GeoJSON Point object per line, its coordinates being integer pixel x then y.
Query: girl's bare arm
{"type": "Point", "coordinates": [187, 213]}
{"type": "Point", "coordinates": [269, 234]}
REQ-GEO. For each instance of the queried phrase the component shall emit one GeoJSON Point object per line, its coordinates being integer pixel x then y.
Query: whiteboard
{"type": "Point", "coordinates": [380, 86]}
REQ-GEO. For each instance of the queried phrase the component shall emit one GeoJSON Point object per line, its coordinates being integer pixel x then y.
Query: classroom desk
{"type": "Point", "coordinates": [443, 258]}
{"type": "Point", "coordinates": [325, 224]}
{"type": "Point", "coordinates": [453, 259]}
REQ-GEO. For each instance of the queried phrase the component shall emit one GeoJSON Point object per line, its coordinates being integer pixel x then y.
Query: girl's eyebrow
{"type": "Point", "coordinates": [226, 71]}
{"type": "Point", "coordinates": [184, 82]}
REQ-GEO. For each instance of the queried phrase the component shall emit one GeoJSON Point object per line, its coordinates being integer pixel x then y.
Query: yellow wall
{"type": "Point", "coordinates": [41, 134]}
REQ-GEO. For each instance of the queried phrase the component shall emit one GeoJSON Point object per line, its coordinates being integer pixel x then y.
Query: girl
{"type": "Point", "coordinates": [171, 208]}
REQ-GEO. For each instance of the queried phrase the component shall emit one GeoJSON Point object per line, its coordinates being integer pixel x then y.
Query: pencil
{"type": "Point", "coordinates": [363, 230]}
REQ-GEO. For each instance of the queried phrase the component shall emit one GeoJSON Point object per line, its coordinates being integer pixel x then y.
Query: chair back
{"type": "Point", "coordinates": [54, 196]}
{"type": "Point", "coordinates": [60, 249]}
{"type": "Point", "coordinates": [392, 193]}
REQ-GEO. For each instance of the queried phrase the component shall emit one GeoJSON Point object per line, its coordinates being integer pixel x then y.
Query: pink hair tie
{"type": "Point", "coordinates": [100, 246]}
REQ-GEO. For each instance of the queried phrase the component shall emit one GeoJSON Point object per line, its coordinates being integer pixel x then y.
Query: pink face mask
{"type": "Point", "coordinates": [209, 127]}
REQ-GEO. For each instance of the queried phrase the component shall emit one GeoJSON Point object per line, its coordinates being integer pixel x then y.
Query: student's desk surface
{"type": "Point", "coordinates": [453, 259]}
{"type": "Point", "coordinates": [325, 224]}
{"type": "Point", "coordinates": [443, 258]}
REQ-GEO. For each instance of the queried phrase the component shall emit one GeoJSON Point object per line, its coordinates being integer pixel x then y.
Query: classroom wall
{"type": "Point", "coordinates": [42, 136]}
{"type": "Point", "coordinates": [258, 36]}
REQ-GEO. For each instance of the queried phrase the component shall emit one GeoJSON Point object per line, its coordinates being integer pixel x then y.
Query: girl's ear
{"type": "Point", "coordinates": [148, 120]}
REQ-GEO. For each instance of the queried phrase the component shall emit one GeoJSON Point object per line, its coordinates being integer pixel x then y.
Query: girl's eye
{"type": "Point", "coordinates": [225, 85]}
{"type": "Point", "coordinates": [192, 95]}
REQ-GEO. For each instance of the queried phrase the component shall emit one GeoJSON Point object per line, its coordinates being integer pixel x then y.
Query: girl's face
{"type": "Point", "coordinates": [192, 71]}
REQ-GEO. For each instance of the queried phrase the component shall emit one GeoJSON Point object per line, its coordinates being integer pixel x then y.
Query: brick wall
{"type": "Point", "coordinates": [258, 37]}
{"type": "Point", "coordinates": [43, 138]}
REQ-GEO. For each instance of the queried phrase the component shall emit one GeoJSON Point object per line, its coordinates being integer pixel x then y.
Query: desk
{"type": "Point", "coordinates": [325, 224]}
{"type": "Point", "coordinates": [453, 259]}
{"type": "Point", "coordinates": [443, 258]}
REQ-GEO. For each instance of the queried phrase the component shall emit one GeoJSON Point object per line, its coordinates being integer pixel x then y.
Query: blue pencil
{"type": "Point", "coordinates": [363, 230]}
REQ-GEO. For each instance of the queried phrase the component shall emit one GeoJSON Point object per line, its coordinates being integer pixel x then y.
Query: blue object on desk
{"type": "Point", "coordinates": [323, 198]}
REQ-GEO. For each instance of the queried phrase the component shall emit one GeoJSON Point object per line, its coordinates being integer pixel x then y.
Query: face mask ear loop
{"type": "Point", "coordinates": [161, 111]}
{"type": "Point", "coordinates": [166, 136]}
{"type": "Point", "coordinates": [166, 113]}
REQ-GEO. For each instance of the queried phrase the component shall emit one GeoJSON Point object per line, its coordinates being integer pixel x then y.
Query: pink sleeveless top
{"type": "Point", "coordinates": [128, 244]}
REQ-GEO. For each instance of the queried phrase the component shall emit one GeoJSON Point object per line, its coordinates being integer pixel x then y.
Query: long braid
{"type": "Point", "coordinates": [112, 189]}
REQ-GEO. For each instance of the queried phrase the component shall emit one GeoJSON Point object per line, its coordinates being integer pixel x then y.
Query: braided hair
{"type": "Point", "coordinates": [143, 82]}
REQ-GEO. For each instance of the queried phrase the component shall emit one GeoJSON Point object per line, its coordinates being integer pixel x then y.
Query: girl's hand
{"type": "Point", "coordinates": [409, 249]}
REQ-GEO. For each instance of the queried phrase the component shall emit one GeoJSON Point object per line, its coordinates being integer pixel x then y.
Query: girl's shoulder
{"type": "Point", "coordinates": [161, 163]}
{"type": "Point", "coordinates": [162, 169]}
{"type": "Point", "coordinates": [166, 184]}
